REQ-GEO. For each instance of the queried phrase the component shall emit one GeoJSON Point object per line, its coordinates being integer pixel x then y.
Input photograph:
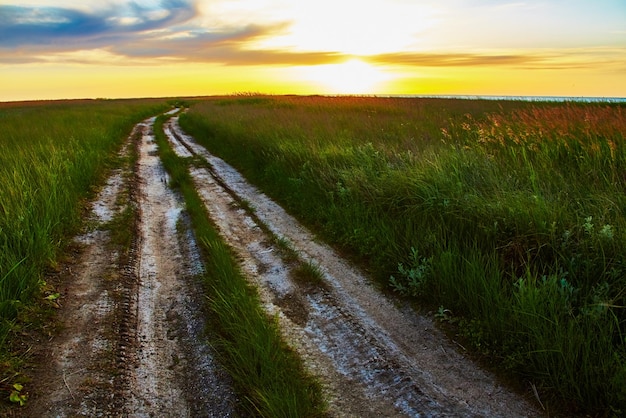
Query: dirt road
{"type": "Point", "coordinates": [133, 341]}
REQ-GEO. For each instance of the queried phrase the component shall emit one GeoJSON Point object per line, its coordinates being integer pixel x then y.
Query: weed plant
{"type": "Point", "coordinates": [53, 156]}
{"type": "Point", "coordinates": [269, 377]}
{"type": "Point", "coordinates": [508, 215]}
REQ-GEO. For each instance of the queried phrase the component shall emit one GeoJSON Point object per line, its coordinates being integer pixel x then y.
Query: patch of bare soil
{"type": "Point", "coordinates": [373, 357]}
{"type": "Point", "coordinates": [133, 339]}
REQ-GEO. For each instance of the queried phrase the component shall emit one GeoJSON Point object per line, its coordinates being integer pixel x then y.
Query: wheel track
{"type": "Point", "coordinates": [129, 280]}
{"type": "Point", "coordinates": [390, 361]}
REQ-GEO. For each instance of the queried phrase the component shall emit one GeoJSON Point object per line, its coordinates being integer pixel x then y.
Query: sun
{"type": "Point", "coordinates": [351, 77]}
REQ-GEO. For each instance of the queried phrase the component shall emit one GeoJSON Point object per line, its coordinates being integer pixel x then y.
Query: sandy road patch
{"type": "Point", "coordinates": [374, 358]}
{"type": "Point", "coordinates": [174, 374]}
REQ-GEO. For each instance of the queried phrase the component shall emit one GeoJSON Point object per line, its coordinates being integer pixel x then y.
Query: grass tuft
{"type": "Point", "coordinates": [310, 273]}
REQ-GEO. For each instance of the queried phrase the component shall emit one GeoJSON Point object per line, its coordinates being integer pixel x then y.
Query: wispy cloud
{"type": "Point", "coordinates": [573, 58]}
{"type": "Point", "coordinates": [452, 59]}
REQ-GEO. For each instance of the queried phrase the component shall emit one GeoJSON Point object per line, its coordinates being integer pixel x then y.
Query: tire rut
{"type": "Point", "coordinates": [373, 357]}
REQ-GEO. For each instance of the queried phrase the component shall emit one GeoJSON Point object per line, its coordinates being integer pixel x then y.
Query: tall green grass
{"type": "Point", "coordinates": [511, 215]}
{"type": "Point", "coordinates": [53, 156]}
{"type": "Point", "coordinates": [268, 375]}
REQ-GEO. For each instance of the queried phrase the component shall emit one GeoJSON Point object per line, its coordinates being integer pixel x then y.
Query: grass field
{"type": "Point", "coordinates": [53, 154]}
{"type": "Point", "coordinates": [506, 218]}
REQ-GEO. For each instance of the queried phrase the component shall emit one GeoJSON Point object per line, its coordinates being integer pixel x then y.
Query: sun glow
{"type": "Point", "coordinates": [350, 77]}
{"type": "Point", "coordinates": [350, 27]}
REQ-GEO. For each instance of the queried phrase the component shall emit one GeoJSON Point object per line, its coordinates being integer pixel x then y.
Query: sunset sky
{"type": "Point", "coordinates": [53, 49]}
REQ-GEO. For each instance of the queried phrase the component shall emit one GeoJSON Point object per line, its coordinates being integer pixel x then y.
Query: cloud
{"type": "Point", "coordinates": [451, 59]}
{"type": "Point", "coordinates": [138, 35]}
{"type": "Point", "coordinates": [30, 26]}
{"type": "Point", "coordinates": [574, 58]}
{"type": "Point", "coordinates": [227, 46]}
{"type": "Point", "coordinates": [173, 31]}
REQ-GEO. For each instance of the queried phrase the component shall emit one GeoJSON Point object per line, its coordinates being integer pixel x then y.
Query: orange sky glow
{"type": "Point", "coordinates": [55, 49]}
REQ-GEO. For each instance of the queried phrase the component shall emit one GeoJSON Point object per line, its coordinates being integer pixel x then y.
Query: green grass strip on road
{"type": "Point", "coordinates": [269, 376]}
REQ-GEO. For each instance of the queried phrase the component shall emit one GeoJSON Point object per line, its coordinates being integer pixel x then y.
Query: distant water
{"type": "Point", "coordinates": [519, 98]}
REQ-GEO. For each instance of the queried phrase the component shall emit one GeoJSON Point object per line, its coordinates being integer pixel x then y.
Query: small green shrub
{"type": "Point", "coordinates": [414, 278]}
